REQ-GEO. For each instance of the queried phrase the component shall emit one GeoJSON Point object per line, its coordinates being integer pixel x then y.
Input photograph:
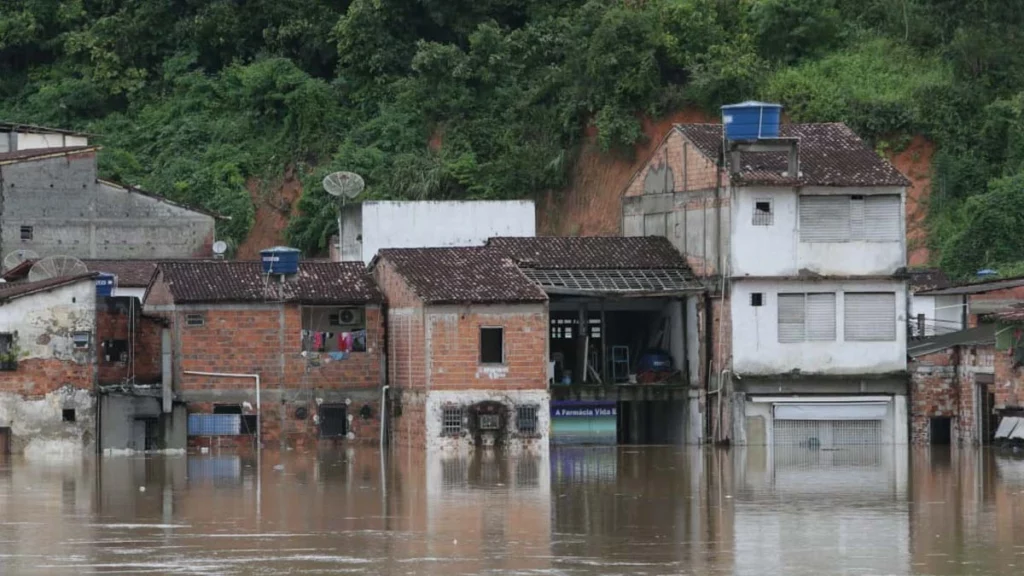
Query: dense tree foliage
{"type": "Point", "coordinates": [196, 99]}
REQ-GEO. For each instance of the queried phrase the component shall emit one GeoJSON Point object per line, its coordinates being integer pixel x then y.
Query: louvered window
{"type": "Point", "coordinates": [807, 317]}
{"type": "Point", "coordinates": [870, 316]}
{"type": "Point", "coordinates": [845, 218]}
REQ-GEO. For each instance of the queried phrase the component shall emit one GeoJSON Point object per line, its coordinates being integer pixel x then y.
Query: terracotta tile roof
{"type": "Point", "coordinates": [591, 253]}
{"type": "Point", "coordinates": [927, 279]}
{"type": "Point", "coordinates": [12, 291]}
{"type": "Point", "coordinates": [830, 155]}
{"type": "Point", "coordinates": [462, 275]}
{"type": "Point", "coordinates": [225, 281]}
{"type": "Point", "coordinates": [20, 155]}
{"type": "Point", "coordinates": [130, 273]}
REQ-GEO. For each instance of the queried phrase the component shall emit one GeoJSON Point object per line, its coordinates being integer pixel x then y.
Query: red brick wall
{"type": "Point", "coordinates": [408, 428]}
{"type": "Point", "coordinates": [942, 384]}
{"type": "Point", "coordinates": [111, 325]}
{"type": "Point", "coordinates": [699, 173]}
{"type": "Point", "coordinates": [453, 347]}
{"type": "Point", "coordinates": [1009, 381]}
{"type": "Point", "coordinates": [37, 377]}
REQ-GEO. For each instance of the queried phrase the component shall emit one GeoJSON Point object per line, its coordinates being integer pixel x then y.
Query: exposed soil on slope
{"type": "Point", "coordinates": [915, 162]}
{"type": "Point", "coordinates": [275, 204]}
{"type": "Point", "coordinates": [590, 205]}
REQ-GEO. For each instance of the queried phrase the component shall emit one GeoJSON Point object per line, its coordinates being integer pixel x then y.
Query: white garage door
{"type": "Point", "coordinates": [826, 425]}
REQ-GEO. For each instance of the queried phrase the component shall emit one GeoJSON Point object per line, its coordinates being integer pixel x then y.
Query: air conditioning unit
{"type": "Point", "coordinates": [349, 317]}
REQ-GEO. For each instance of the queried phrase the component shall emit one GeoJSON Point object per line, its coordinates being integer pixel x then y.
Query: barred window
{"type": "Point", "coordinates": [526, 419]}
{"type": "Point", "coordinates": [762, 212]}
{"type": "Point", "coordinates": [451, 420]}
{"type": "Point", "coordinates": [194, 320]}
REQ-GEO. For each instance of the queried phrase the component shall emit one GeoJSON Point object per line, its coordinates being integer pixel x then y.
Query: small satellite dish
{"type": "Point", "coordinates": [17, 257]}
{"type": "Point", "coordinates": [220, 247]}
{"type": "Point", "coordinates": [56, 267]}
{"type": "Point", "coordinates": [344, 184]}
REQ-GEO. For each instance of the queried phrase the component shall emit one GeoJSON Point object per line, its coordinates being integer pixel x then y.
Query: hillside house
{"type": "Point", "coordinates": [467, 349]}
{"type": "Point", "coordinates": [291, 360]}
{"type": "Point", "coordinates": [48, 365]}
{"type": "Point", "coordinates": [54, 204]}
{"type": "Point", "coordinates": [802, 236]}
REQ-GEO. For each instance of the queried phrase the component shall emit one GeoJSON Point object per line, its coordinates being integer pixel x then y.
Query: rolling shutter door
{"type": "Point", "coordinates": [791, 318]}
{"type": "Point", "coordinates": [824, 218]}
{"type": "Point", "coordinates": [821, 317]}
{"type": "Point", "coordinates": [870, 316]}
{"type": "Point", "coordinates": [882, 218]}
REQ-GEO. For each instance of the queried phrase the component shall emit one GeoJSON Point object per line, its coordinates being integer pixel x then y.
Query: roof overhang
{"type": "Point", "coordinates": [618, 283]}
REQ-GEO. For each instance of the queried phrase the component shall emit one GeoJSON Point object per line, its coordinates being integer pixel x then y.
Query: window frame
{"type": "Point", "coordinates": [449, 414]}
{"type": "Point", "coordinates": [8, 348]}
{"type": "Point", "coordinates": [481, 359]}
{"type": "Point", "coordinates": [807, 318]}
{"type": "Point", "coordinates": [760, 217]}
{"type": "Point", "coordinates": [191, 316]}
{"type": "Point", "coordinates": [528, 413]}
{"type": "Point", "coordinates": [891, 336]}
{"type": "Point", "coordinates": [26, 233]}
{"type": "Point", "coordinates": [857, 219]}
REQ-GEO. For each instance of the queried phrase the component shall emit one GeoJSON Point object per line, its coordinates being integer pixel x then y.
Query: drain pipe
{"type": "Point", "coordinates": [383, 414]}
{"type": "Point", "coordinates": [259, 413]}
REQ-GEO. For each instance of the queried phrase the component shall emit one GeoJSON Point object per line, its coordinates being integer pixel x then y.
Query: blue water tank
{"type": "Point", "coordinates": [751, 120]}
{"type": "Point", "coordinates": [280, 260]}
{"type": "Point", "coordinates": [105, 284]}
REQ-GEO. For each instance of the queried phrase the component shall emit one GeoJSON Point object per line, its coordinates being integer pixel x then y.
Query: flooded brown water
{"type": "Point", "coordinates": [575, 511]}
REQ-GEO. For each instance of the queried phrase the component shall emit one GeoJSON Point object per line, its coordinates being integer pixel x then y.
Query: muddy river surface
{"type": "Point", "coordinates": [579, 511]}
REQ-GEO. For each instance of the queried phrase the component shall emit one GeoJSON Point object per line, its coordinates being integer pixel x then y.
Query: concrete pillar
{"type": "Point", "coordinates": [165, 369]}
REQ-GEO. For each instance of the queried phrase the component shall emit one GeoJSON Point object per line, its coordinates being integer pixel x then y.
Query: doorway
{"type": "Point", "coordinates": [5, 443]}
{"type": "Point", "coordinates": [989, 420]}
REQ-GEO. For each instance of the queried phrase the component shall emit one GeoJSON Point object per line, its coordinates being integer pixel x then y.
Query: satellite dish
{"type": "Point", "coordinates": [220, 247]}
{"type": "Point", "coordinates": [18, 256]}
{"type": "Point", "coordinates": [344, 184]}
{"type": "Point", "coordinates": [56, 267]}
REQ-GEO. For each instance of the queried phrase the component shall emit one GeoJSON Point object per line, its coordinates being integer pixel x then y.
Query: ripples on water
{"type": "Point", "coordinates": [580, 511]}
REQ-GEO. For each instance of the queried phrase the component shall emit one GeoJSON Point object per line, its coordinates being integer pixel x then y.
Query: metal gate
{"type": "Point", "coordinates": [828, 433]}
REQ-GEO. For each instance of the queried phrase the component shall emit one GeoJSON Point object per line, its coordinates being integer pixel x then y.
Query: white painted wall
{"type": "Point", "coordinates": [36, 140]}
{"type": "Point", "coordinates": [942, 314]}
{"type": "Point", "coordinates": [755, 343]}
{"type": "Point", "coordinates": [922, 305]}
{"type": "Point", "coordinates": [436, 224]}
{"type": "Point", "coordinates": [139, 293]}
{"type": "Point", "coordinates": [510, 398]}
{"type": "Point", "coordinates": [776, 250]}
{"type": "Point", "coordinates": [45, 322]}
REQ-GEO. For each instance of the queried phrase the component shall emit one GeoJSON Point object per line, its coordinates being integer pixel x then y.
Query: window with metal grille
{"type": "Point", "coordinates": [807, 317]}
{"type": "Point", "coordinates": [194, 320]}
{"type": "Point", "coordinates": [565, 328]}
{"type": "Point", "coordinates": [8, 352]}
{"type": "Point", "coordinates": [869, 316]}
{"type": "Point", "coordinates": [451, 420]}
{"type": "Point", "coordinates": [333, 420]}
{"type": "Point", "coordinates": [526, 419]}
{"type": "Point", "coordinates": [492, 346]}
{"type": "Point", "coordinates": [247, 423]}
{"type": "Point", "coordinates": [844, 218]}
{"type": "Point", "coordinates": [763, 212]}
{"type": "Point", "coordinates": [757, 299]}
{"type": "Point", "coordinates": [26, 232]}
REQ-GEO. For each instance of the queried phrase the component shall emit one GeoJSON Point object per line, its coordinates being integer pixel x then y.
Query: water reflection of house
{"type": "Point", "coordinates": [297, 356]}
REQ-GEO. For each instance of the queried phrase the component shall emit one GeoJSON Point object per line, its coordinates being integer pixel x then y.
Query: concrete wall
{"type": "Point", "coordinates": [436, 401]}
{"type": "Point", "coordinates": [941, 313]}
{"type": "Point", "coordinates": [755, 341]}
{"type": "Point", "coordinates": [429, 224]}
{"type": "Point", "coordinates": [72, 213]}
{"type": "Point", "coordinates": [118, 413]}
{"type": "Point", "coordinates": [776, 249]}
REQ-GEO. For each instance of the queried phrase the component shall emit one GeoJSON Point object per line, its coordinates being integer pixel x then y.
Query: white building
{"type": "Point", "coordinates": [810, 267]}
{"type": "Point", "coordinates": [17, 137]}
{"type": "Point", "coordinates": [371, 226]}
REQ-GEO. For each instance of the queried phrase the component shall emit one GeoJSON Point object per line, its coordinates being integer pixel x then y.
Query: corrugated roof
{"type": "Point", "coordinates": [462, 275]}
{"type": "Point", "coordinates": [225, 281]}
{"type": "Point", "coordinates": [21, 289]}
{"type": "Point", "coordinates": [18, 127]}
{"type": "Point", "coordinates": [614, 282]}
{"type": "Point", "coordinates": [981, 335]}
{"type": "Point", "coordinates": [591, 252]}
{"type": "Point", "coordinates": [22, 155]}
{"type": "Point", "coordinates": [924, 279]}
{"type": "Point", "coordinates": [830, 155]}
{"type": "Point", "coordinates": [977, 287]}
{"type": "Point", "coordinates": [130, 273]}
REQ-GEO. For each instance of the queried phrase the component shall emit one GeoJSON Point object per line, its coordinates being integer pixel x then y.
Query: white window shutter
{"type": "Point", "coordinates": [821, 317]}
{"type": "Point", "coordinates": [857, 218]}
{"type": "Point", "coordinates": [791, 318]}
{"type": "Point", "coordinates": [870, 316]}
{"type": "Point", "coordinates": [882, 216]}
{"type": "Point", "coordinates": [824, 218]}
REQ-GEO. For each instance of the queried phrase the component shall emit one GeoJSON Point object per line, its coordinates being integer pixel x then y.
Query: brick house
{"type": "Point", "coordinates": [292, 360]}
{"type": "Point", "coordinates": [801, 239]}
{"type": "Point", "coordinates": [467, 349]}
{"type": "Point", "coordinates": [48, 365]}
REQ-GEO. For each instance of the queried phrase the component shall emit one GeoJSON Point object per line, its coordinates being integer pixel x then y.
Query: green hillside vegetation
{"type": "Point", "coordinates": [194, 98]}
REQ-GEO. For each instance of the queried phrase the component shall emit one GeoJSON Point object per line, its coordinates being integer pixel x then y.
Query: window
{"type": "Point", "coordinates": [115, 351]}
{"type": "Point", "coordinates": [870, 316]}
{"type": "Point", "coordinates": [490, 421]}
{"type": "Point", "coordinates": [68, 415]}
{"type": "Point", "coordinates": [247, 422]}
{"type": "Point", "coordinates": [566, 328]}
{"type": "Point", "coordinates": [26, 232]}
{"type": "Point", "coordinates": [8, 352]}
{"type": "Point", "coordinates": [194, 320]}
{"type": "Point", "coordinates": [526, 419]}
{"type": "Point", "coordinates": [807, 317]}
{"type": "Point", "coordinates": [333, 419]}
{"type": "Point", "coordinates": [492, 346]}
{"type": "Point", "coordinates": [763, 212]}
{"type": "Point", "coordinates": [81, 339]}
{"type": "Point", "coordinates": [451, 420]}
{"type": "Point", "coordinates": [848, 218]}
{"type": "Point", "coordinates": [756, 299]}
{"type": "Point", "coordinates": [330, 329]}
